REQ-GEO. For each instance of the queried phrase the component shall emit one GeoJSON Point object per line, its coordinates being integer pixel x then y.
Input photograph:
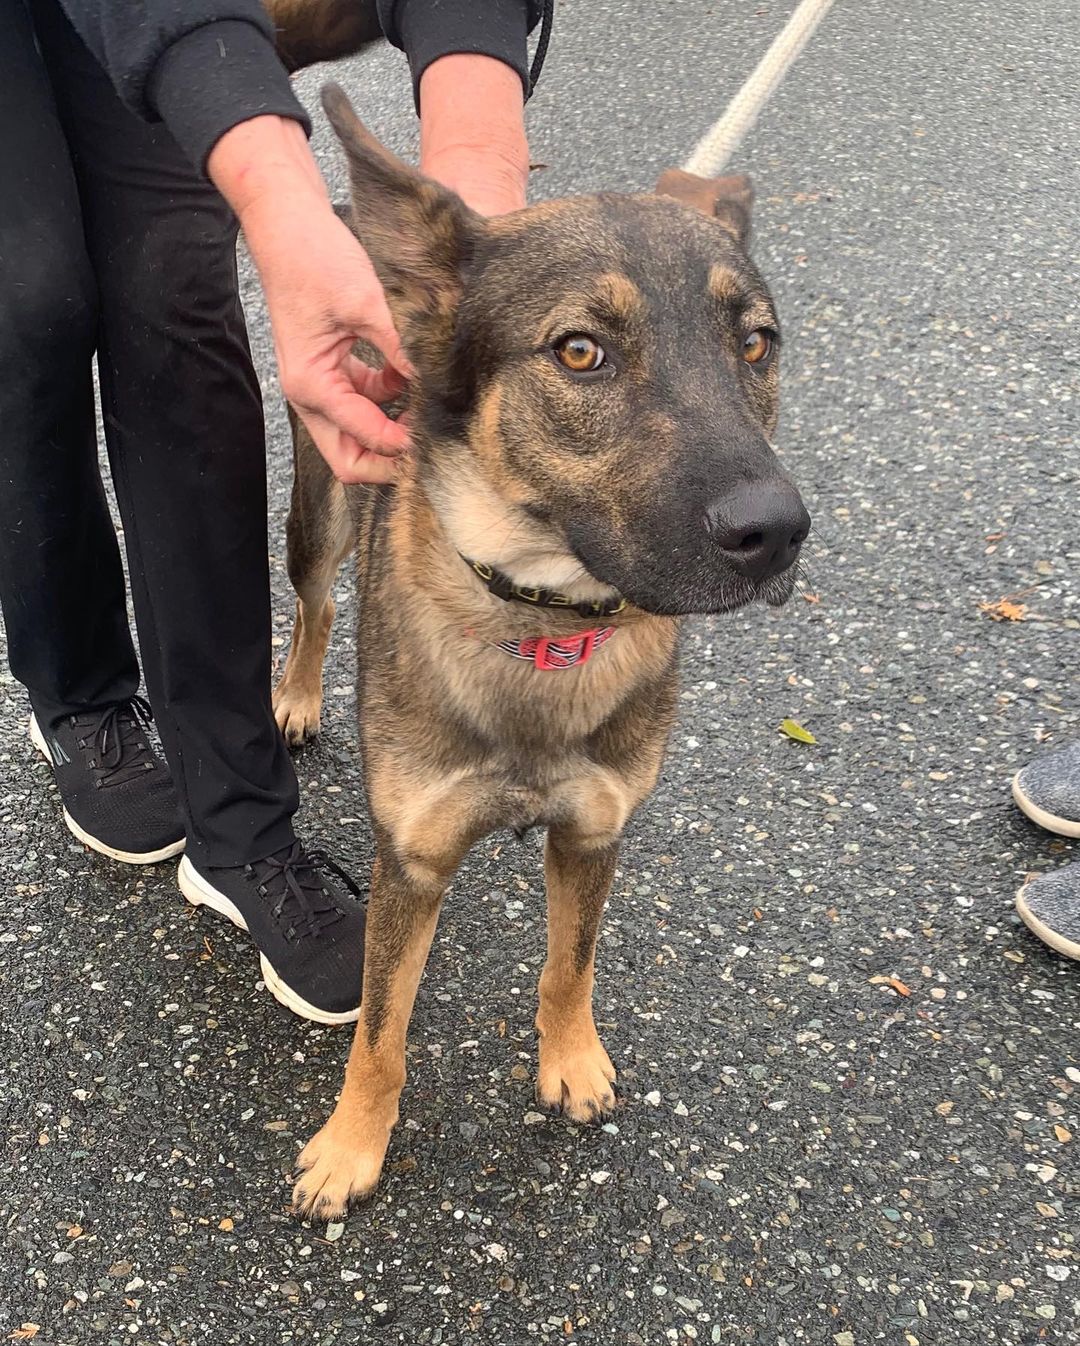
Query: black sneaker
{"type": "Point", "coordinates": [118, 796]}
{"type": "Point", "coordinates": [310, 934]}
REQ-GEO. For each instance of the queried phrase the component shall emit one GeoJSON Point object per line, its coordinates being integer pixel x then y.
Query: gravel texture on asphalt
{"type": "Point", "coordinates": [851, 1078]}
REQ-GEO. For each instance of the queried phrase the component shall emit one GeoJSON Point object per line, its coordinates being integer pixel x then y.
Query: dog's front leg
{"type": "Point", "coordinates": [343, 1161]}
{"type": "Point", "coordinates": [576, 1075]}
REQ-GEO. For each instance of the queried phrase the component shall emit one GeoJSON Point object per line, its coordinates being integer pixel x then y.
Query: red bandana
{"type": "Point", "coordinates": [546, 653]}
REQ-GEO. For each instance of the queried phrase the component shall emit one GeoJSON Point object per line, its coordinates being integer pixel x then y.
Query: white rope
{"type": "Point", "coordinates": [721, 141]}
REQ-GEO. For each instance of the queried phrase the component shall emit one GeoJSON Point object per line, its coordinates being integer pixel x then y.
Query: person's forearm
{"type": "Point", "coordinates": [472, 139]}
{"type": "Point", "coordinates": [263, 164]}
{"type": "Point", "coordinates": [472, 131]}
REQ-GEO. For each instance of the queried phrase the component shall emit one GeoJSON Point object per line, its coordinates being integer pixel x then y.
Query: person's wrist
{"type": "Point", "coordinates": [487, 179]}
{"type": "Point", "coordinates": [265, 163]}
{"type": "Point", "coordinates": [472, 131]}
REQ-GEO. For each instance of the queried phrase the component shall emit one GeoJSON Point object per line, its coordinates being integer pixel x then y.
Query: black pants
{"type": "Point", "coordinates": [110, 241]}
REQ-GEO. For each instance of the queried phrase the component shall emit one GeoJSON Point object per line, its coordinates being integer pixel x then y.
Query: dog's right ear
{"type": "Point", "coordinates": [418, 235]}
{"type": "Point", "coordinates": [729, 200]}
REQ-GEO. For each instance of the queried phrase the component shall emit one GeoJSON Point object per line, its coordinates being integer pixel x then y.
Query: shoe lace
{"type": "Point", "coordinates": [118, 736]}
{"type": "Point", "coordinates": [303, 901]}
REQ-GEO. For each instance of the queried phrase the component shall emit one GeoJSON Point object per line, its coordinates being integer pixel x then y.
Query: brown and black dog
{"type": "Point", "coordinates": [596, 387]}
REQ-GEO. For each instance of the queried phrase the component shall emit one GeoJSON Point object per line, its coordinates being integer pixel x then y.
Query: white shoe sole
{"type": "Point", "coordinates": [200, 893]}
{"type": "Point", "coordinates": [95, 844]}
{"type": "Point", "coordinates": [1064, 827]}
{"type": "Point", "coordinates": [1067, 947]}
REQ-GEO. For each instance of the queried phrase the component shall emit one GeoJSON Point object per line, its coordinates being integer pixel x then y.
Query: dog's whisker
{"type": "Point", "coordinates": [820, 541]}
{"type": "Point", "coordinates": [801, 579]}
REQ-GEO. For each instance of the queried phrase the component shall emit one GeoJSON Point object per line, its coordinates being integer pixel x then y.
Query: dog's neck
{"type": "Point", "coordinates": [444, 617]}
{"type": "Point", "coordinates": [481, 525]}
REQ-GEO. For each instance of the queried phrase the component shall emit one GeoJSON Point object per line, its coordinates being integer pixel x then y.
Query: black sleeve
{"type": "Point", "coordinates": [428, 29]}
{"type": "Point", "coordinates": [200, 66]}
{"type": "Point", "coordinates": [204, 66]}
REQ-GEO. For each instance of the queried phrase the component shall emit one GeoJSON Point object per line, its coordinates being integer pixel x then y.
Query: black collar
{"type": "Point", "coordinates": [502, 586]}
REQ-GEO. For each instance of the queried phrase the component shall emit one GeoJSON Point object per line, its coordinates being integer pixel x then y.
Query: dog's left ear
{"type": "Point", "coordinates": [418, 235]}
{"type": "Point", "coordinates": [730, 200]}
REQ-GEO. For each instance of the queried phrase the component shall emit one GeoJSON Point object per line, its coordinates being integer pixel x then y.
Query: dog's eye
{"type": "Point", "coordinates": [579, 353]}
{"type": "Point", "coordinates": [757, 346]}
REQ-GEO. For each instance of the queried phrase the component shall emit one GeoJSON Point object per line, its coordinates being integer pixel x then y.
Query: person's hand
{"type": "Point", "coordinates": [322, 295]}
{"type": "Point", "coordinates": [321, 289]}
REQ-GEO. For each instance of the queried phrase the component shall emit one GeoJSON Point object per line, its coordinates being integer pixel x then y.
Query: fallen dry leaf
{"type": "Point", "coordinates": [25, 1333]}
{"type": "Point", "coordinates": [794, 730]}
{"type": "Point", "coordinates": [1004, 610]}
{"type": "Point", "coordinates": [897, 985]}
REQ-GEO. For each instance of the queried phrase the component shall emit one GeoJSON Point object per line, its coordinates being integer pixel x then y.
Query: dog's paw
{"type": "Point", "coordinates": [333, 1172]}
{"type": "Point", "coordinates": [297, 711]}
{"type": "Point", "coordinates": [576, 1078]}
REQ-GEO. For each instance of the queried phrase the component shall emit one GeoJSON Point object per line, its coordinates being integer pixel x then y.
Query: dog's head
{"type": "Point", "coordinates": [598, 382]}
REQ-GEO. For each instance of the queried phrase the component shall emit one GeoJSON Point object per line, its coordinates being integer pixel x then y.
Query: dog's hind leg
{"type": "Point", "coordinates": [320, 536]}
{"type": "Point", "coordinates": [576, 1075]}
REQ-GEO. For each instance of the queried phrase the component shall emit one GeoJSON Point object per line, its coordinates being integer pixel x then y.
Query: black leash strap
{"type": "Point", "coordinates": [543, 43]}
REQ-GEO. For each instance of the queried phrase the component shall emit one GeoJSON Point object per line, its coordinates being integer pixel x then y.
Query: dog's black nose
{"type": "Point", "coordinates": [760, 527]}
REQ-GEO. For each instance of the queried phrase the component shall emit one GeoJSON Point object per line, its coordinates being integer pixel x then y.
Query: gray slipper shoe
{"type": "Point", "coordinates": [1048, 791]}
{"type": "Point", "coordinates": [1050, 907]}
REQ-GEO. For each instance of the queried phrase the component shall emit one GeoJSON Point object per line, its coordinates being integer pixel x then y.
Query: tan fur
{"type": "Point", "coordinates": [724, 284]}
{"type": "Point", "coordinates": [320, 537]}
{"type": "Point", "coordinates": [622, 295]}
{"type": "Point", "coordinates": [480, 522]}
{"type": "Point", "coordinates": [308, 31]}
{"type": "Point", "coordinates": [430, 813]}
{"type": "Point", "coordinates": [298, 696]}
{"type": "Point", "coordinates": [459, 739]}
{"type": "Point", "coordinates": [575, 1073]}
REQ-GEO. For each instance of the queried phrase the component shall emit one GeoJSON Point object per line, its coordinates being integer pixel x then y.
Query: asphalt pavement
{"type": "Point", "coordinates": [851, 1078]}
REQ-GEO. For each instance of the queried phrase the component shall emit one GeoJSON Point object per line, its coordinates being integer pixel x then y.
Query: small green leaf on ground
{"type": "Point", "coordinates": [794, 730]}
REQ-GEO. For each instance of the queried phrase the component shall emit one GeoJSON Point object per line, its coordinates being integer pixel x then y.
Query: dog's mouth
{"type": "Point", "coordinates": [681, 595]}
{"type": "Point", "coordinates": [774, 592]}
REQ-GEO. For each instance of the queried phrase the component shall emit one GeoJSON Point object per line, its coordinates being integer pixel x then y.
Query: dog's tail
{"type": "Point", "coordinates": [307, 31]}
